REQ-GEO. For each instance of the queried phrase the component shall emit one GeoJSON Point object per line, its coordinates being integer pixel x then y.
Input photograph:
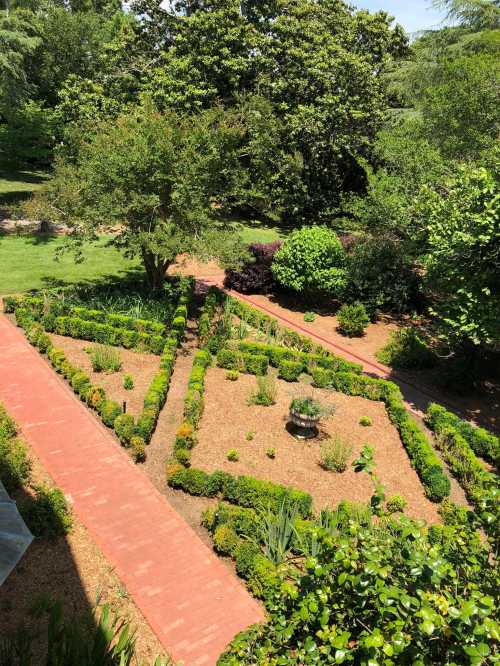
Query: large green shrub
{"type": "Point", "coordinates": [381, 276]}
{"type": "Point", "coordinates": [47, 513]}
{"type": "Point", "coordinates": [406, 349]}
{"type": "Point", "coordinates": [311, 261]}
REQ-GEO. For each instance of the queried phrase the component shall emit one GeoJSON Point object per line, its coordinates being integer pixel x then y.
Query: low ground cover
{"type": "Point", "coordinates": [17, 185]}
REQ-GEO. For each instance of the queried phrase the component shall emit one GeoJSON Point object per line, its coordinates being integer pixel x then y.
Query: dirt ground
{"type": "Point", "coordinates": [142, 367]}
{"type": "Point", "coordinates": [297, 462]}
{"type": "Point", "coordinates": [73, 570]}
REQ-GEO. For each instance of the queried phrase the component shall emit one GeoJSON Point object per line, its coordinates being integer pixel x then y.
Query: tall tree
{"type": "Point", "coordinates": [150, 180]}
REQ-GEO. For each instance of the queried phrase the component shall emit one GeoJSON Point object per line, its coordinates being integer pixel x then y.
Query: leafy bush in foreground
{"type": "Point", "coordinates": [373, 595]}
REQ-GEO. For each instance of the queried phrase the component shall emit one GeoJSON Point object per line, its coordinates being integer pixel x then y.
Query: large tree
{"type": "Point", "coordinates": [319, 65]}
{"type": "Point", "coordinates": [150, 180]}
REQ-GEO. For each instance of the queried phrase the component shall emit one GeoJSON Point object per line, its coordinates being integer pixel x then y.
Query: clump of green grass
{"type": "Point", "coordinates": [365, 421]}
{"type": "Point", "coordinates": [335, 454]}
{"type": "Point", "coordinates": [271, 453]}
{"type": "Point", "coordinates": [233, 455]}
{"type": "Point", "coordinates": [128, 382]}
{"type": "Point", "coordinates": [104, 358]}
{"type": "Point", "coordinates": [250, 435]}
{"type": "Point", "coordinates": [266, 392]}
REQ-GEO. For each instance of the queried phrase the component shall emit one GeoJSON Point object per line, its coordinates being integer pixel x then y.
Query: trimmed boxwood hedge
{"type": "Point", "coordinates": [484, 444]}
{"type": "Point", "coordinates": [244, 491]}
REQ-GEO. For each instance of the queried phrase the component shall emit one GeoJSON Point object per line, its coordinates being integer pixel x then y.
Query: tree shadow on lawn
{"type": "Point", "coordinates": [126, 278]}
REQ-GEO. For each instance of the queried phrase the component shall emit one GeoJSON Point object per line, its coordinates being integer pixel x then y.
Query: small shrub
{"type": "Point", "coordinates": [395, 503]}
{"type": "Point", "coordinates": [406, 349]}
{"type": "Point", "coordinates": [250, 435]}
{"type": "Point", "coordinates": [352, 320]}
{"type": "Point", "coordinates": [128, 382]}
{"type": "Point", "coordinates": [265, 394]}
{"type": "Point", "coordinates": [138, 448]}
{"type": "Point", "coordinates": [309, 316]}
{"type": "Point", "coordinates": [109, 411]}
{"type": "Point", "coordinates": [271, 453]}
{"type": "Point", "coordinates": [95, 397]}
{"type": "Point", "coordinates": [15, 466]}
{"type": "Point", "coordinates": [229, 359]}
{"type": "Point", "coordinates": [124, 427]}
{"type": "Point", "coordinates": [47, 514]}
{"type": "Point", "coordinates": [365, 421]}
{"type": "Point", "coordinates": [232, 375]}
{"type": "Point", "coordinates": [183, 456]}
{"type": "Point", "coordinates": [233, 455]}
{"type": "Point", "coordinates": [255, 364]}
{"type": "Point", "coordinates": [104, 359]}
{"type": "Point", "coordinates": [225, 540]}
{"type": "Point", "coordinates": [290, 371]}
{"type": "Point", "coordinates": [185, 437]}
{"type": "Point", "coordinates": [335, 455]}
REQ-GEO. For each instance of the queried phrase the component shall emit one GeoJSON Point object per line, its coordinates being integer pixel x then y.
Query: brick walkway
{"type": "Point", "coordinates": [192, 602]}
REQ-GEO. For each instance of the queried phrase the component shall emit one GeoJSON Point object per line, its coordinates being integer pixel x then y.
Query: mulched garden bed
{"type": "Point", "coordinates": [142, 367]}
{"type": "Point", "coordinates": [228, 421]}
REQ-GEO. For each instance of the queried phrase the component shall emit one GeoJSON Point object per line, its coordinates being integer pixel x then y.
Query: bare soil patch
{"type": "Point", "coordinates": [228, 420]}
{"type": "Point", "coordinates": [73, 570]}
{"type": "Point", "coordinates": [141, 366]}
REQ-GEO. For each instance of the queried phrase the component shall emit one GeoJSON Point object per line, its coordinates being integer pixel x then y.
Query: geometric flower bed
{"type": "Point", "coordinates": [39, 317]}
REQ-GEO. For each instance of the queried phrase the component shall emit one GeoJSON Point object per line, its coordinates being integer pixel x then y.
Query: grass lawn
{"type": "Point", "coordinates": [254, 232]}
{"type": "Point", "coordinates": [27, 262]}
{"type": "Point", "coordinates": [18, 185]}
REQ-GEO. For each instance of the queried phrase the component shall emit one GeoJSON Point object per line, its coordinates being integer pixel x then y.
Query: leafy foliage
{"type": "Point", "coordinates": [352, 319]}
{"type": "Point", "coordinates": [311, 261]}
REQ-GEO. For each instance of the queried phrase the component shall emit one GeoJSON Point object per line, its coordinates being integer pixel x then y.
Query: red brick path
{"type": "Point", "coordinates": [192, 602]}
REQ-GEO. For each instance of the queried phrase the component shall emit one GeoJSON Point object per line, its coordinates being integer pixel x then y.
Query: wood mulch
{"type": "Point", "coordinates": [141, 366]}
{"type": "Point", "coordinates": [228, 420]}
{"type": "Point", "coordinates": [73, 570]}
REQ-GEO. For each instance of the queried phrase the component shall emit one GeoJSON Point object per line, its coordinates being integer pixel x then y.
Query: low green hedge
{"type": "Point", "coordinates": [231, 359]}
{"type": "Point", "coordinates": [481, 486]}
{"type": "Point", "coordinates": [245, 491]}
{"type": "Point", "coordinates": [105, 334]}
{"type": "Point", "coordinates": [277, 354]}
{"type": "Point", "coordinates": [483, 443]}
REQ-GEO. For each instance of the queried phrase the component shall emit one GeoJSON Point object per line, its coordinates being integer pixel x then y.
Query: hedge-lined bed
{"type": "Point", "coordinates": [36, 319]}
{"type": "Point", "coordinates": [327, 371]}
{"type": "Point", "coordinates": [459, 442]}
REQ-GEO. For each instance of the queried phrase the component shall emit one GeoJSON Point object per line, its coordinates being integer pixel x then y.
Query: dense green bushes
{"type": "Point", "coordinates": [308, 360]}
{"type": "Point", "coordinates": [406, 349]}
{"type": "Point", "coordinates": [254, 364]}
{"type": "Point", "coordinates": [483, 443]}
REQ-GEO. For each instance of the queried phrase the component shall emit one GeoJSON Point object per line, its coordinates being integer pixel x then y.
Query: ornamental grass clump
{"type": "Point", "coordinates": [266, 392]}
{"type": "Point", "coordinates": [335, 454]}
{"type": "Point", "coordinates": [104, 358]}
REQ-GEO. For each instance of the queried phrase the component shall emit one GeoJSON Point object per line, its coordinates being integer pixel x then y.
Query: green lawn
{"type": "Point", "coordinates": [259, 233]}
{"type": "Point", "coordinates": [28, 262]}
{"type": "Point", "coordinates": [18, 185]}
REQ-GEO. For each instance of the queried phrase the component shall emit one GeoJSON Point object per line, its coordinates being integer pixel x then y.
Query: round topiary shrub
{"type": "Point", "coordinates": [225, 540]}
{"type": "Point", "coordinates": [311, 261]}
{"type": "Point", "coordinates": [352, 320]}
{"type": "Point", "coordinates": [109, 411]}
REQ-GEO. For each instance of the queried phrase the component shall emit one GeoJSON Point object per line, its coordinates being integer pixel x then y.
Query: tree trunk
{"type": "Point", "coordinates": [155, 268]}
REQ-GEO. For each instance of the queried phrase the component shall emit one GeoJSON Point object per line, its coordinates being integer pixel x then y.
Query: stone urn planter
{"type": "Point", "coordinates": [303, 425]}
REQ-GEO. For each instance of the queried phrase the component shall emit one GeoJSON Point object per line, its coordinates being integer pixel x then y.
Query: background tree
{"type": "Point", "coordinates": [152, 179]}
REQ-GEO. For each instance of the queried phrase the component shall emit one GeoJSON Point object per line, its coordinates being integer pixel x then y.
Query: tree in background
{"type": "Point", "coordinates": [153, 179]}
{"type": "Point", "coordinates": [463, 256]}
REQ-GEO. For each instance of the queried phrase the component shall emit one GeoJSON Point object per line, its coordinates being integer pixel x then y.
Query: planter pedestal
{"type": "Point", "coordinates": [302, 427]}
